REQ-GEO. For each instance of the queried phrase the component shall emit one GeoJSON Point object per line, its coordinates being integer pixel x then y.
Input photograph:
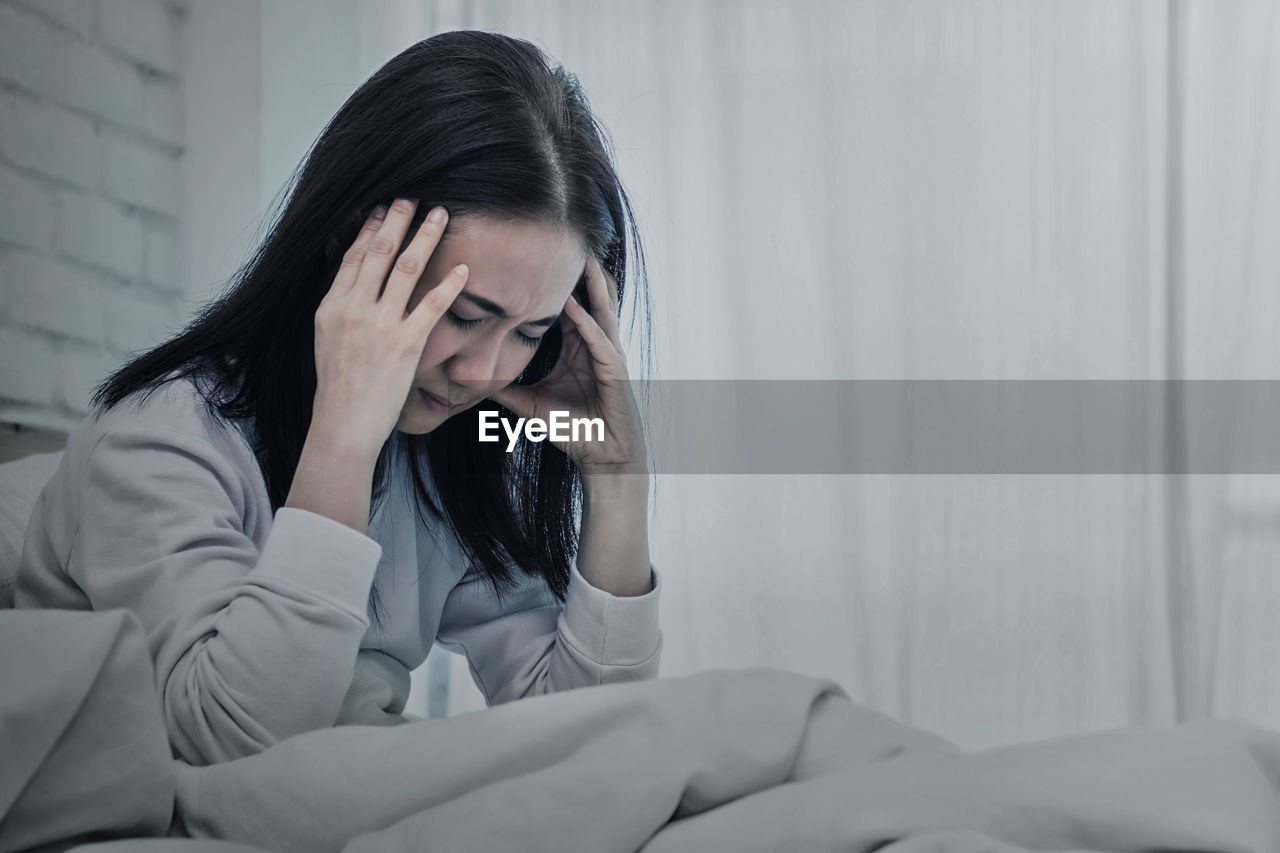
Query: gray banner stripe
{"type": "Point", "coordinates": [962, 426]}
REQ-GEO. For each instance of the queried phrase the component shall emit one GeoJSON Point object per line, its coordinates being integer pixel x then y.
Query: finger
{"type": "Point", "coordinates": [354, 255]}
{"type": "Point", "coordinates": [438, 299]}
{"type": "Point", "coordinates": [602, 350]}
{"type": "Point", "coordinates": [383, 248]}
{"type": "Point", "coordinates": [604, 300]}
{"type": "Point", "coordinates": [522, 401]}
{"type": "Point", "coordinates": [413, 260]}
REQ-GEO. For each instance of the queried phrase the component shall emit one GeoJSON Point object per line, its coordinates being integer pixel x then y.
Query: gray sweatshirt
{"type": "Point", "coordinates": [258, 623]}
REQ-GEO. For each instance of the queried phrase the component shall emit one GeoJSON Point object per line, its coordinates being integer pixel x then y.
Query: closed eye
{"type": "Point", "coordinates": [528, 340]}
{"type": "Point", "coordinates": [461, 322]}
{"type": "Point", "coordinates": [470, 323]}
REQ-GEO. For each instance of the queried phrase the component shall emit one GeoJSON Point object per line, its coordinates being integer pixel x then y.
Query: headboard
{"type": "Point", "coordinates": [17, 441]}
{"type": "Point", "coordinates": [28, 457]}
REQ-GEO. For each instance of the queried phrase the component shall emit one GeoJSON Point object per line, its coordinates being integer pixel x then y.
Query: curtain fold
{"type": "Point", "coordinates": [902, 191]}
{"type": "Point", "coordinates": [1231, 175]}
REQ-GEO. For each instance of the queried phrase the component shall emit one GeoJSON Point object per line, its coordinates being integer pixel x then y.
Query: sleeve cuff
{"type": "Point", "coordinates": [311, 551]}
{"type": "Point", "coordinates": [611, 630]}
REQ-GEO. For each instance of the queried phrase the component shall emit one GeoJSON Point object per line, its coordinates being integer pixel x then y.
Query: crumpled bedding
{"type": "Point", "coordinates": [82, 746]}
{"type": "Point", "coordinates": [733, 760]}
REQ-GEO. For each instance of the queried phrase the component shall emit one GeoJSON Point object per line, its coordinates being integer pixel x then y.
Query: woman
{"type": "Point", "coordinates": [291, 494]}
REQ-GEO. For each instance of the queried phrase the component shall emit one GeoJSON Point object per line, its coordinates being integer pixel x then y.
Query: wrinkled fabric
{"type": "Point", "coordinates": [82, 743]}
{"type": "Point", "coordinates": [166, 845]}
{"type": "Point", "coordinates": [728, 760]}
{"type": "Point", "coordinates": [737, 760]}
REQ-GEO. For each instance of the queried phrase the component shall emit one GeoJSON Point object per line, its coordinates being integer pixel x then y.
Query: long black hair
{"type": "Point", "coordinates": [480, 123]}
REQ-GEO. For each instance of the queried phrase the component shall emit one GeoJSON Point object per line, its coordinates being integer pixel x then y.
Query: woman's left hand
{"type": "Point", "coordinates": [589, 381]}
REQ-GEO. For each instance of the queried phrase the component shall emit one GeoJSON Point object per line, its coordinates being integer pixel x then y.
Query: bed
{"type": "Point", "coordinates": [28, 458]}
{"type": "Point", "coordinates": [735, 760]}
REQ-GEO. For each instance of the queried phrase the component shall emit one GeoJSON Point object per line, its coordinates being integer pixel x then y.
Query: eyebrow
{"type": "Point", "coordinates": [497, 310]}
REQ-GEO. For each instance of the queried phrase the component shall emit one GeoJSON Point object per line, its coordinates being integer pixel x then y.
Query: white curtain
{"type": "Point", "coordinates": [1231, 309]}
{"type": "Point", "coordinates": [971, 189]}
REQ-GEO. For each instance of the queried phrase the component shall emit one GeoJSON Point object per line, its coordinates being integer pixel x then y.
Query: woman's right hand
{"type": "Point", "coordinates": [367, 344]}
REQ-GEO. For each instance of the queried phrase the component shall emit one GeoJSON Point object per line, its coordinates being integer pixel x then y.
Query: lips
{"type": "Point", "coordinates": [436, 399]}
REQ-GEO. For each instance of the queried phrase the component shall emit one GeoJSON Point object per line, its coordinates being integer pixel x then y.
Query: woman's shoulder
{"type": "Point", "coordinates": [174, 412]}
{"type": "Point", "coordinates": [149, 448]}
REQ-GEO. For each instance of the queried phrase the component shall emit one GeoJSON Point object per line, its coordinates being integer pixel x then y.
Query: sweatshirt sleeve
{"type": "Point", "coordinates": [529, 643]}
{"type": "Point", "coordinates": [250, 645]}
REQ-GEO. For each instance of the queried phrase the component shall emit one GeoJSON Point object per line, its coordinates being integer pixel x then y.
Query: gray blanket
{"type": "Point", "coordinates": [741, 760]}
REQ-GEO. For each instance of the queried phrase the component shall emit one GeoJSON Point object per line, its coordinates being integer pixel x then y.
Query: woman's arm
{"type": "Point", "coordinates": [254, 637]}
{"type": "Point", "coordinates": [529, 643]}
{"type": "Point", "coordinates": [613, 547]}
{"type": "Point", "coordinates": [367, 347]}
{"type": "Point", "coordinates": [608, 628]}
{"type": "Point", "coordinates": [590, 380]}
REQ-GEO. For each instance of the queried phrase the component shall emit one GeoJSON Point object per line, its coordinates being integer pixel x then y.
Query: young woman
{"type": "Point", "coordinates": [292, 494]}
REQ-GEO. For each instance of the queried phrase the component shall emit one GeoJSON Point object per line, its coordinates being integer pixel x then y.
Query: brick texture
{"type": "Point", "coordinates": [91, 158]}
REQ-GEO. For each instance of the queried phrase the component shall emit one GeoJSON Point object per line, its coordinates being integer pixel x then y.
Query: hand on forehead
{"type": "Point", "coordinates": [526, 269]}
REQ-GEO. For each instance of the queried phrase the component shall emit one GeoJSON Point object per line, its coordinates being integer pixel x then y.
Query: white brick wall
{"type": "Point", "coordinates": [26, 211]}
{"type": "Point", "coordinates": [142, 30]}
{"type": "Point", "coordinates": [91, 148]}
{"type": "Point", "coordinates": [51, 289]}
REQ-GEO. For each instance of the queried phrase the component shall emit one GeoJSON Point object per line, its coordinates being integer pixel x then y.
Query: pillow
{"type": "Point", "coordinates": [21, 482]}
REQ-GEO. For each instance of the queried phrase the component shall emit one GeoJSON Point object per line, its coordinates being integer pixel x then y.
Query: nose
{"type": "Point", "coordinates": [475, 366]}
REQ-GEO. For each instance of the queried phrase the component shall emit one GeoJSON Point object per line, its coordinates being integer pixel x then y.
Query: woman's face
{"type": "Point", "coordinates": [521, 274]}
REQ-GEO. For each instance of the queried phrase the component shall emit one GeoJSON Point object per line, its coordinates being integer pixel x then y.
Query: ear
{"type": "Point", "coordinates": [580, 293]}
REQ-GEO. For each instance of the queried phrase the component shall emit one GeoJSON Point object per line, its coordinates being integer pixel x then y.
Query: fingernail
{"type": "Point", "coordinates": [379, 212]}
{"type": "Point", "coordinates": [461, 269]}
{"type": "Point", "coordinates": [436, 214]}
